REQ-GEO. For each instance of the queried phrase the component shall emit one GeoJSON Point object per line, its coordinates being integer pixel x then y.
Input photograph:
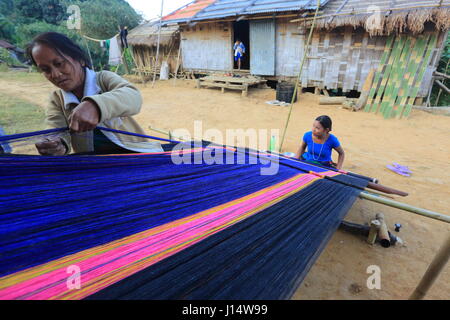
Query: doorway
{"type": "Point", "coordinates": [242, 32]}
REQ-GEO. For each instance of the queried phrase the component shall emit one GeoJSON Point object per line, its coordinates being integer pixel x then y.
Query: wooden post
{"type": "Point", "coordinates": [374, 227]}
{"type": "Point", "coordinates": [159, 42]}
{"type": "Point", "coordinates": [433, 271]}
{"type": "Point", "coordinates": [245, 91]}
{"type": "Point", "coordinates": [365, 90]}
{"type": "Point", "coordinates": [383, 233]}
{"type": "Point", "coordinates": [178, 63]}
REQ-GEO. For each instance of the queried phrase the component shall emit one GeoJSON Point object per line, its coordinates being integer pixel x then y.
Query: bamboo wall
{"type": "Point", "coordinates": [207, 46]}
{"type": "Point", "coordinates": [145, 56]}
{"type": "Point", "coordinates": [341, 58]}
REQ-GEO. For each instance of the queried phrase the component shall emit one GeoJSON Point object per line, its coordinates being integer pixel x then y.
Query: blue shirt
{"type": "Point", "coordinates": [317, 151]}
{"type": "Point", "coordinates": [238, 46]}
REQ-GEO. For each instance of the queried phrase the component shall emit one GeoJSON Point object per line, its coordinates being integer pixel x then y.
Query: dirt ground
{"type": "Point", "coordinates": [422, 142]}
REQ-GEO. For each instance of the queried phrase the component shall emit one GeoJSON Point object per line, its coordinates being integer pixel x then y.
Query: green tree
{"type": "Point", "coordinates": [7, 29]}
{"type": "Point", "coordinates": [438, 96]}
{"type": "Point", "coordinates": [100, 18]}
{"type": "Point", "coordinates": [53, 11]}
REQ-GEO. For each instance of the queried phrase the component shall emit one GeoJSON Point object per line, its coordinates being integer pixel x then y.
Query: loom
{"type": "Point", "coordinates": [137, 226]}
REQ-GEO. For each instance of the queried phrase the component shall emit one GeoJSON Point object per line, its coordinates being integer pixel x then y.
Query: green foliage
{"type": "Point", "coordinates": [100, 19]}
{"type": "Point", "coordinates": [6, 57]}
{"type": "Point", "coordinates": [7, 28]}
{"type": "Point", "coordinates": [444, 67]}
{"type": "Point", "coordinates": [22, 20]}
{"type": "Point", "coordinates": [29, 31]}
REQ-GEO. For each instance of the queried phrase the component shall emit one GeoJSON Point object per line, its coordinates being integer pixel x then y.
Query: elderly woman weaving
{"type": "Point", "coordinates": [84, 100]}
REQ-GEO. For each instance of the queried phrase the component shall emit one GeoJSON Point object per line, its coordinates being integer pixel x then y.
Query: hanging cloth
{"type": "Point", "coordinates": [114, 52]}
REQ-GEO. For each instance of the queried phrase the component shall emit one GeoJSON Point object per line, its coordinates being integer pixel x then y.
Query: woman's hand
{"type": "Point", "coordinates": [51, 147]}
{"type": "Point", "coordinates": [84, 117]}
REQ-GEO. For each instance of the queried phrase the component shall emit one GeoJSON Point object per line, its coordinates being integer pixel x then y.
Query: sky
{"type": "Point", "coordinates": [152, 8]}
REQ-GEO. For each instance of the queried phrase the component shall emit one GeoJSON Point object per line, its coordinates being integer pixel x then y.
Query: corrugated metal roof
{"type": "Point", "coordinates": [228, 8]}
{"type": "Point", "coordinates": [188, 11]}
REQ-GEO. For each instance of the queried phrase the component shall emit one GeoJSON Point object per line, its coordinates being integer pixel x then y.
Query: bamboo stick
{"type": "Point", "coordinates": [374, 227]}
{"type": "Point", "coordinates": [178, 64]}
{"type": "Point", "coordinates": [406, 207]}
{"type": "Point", "coordinates": [433, 271]}
{"type": "Point", "coordinates": [442, 86]}
{"type": "Point", "coordinates": [159, 40]}
{"type": "Point", "coordinates": [305, 54]}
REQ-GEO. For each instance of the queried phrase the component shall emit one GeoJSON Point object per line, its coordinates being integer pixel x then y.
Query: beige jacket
{"type": "Point", "coordinates": [118, 101]}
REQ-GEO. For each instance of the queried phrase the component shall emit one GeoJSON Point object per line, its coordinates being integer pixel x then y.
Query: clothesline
{"type": "Point", "coordinates": [98, 40]}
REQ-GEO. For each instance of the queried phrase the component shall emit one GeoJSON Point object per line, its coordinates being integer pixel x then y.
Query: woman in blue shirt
{"type": "Point", "coordinates": [319, 144]}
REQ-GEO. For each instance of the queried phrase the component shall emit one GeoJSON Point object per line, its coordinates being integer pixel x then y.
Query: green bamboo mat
{"type": "Point", "coordinates": [399, 75]}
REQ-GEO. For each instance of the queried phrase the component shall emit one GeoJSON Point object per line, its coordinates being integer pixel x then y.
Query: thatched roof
{"type": "Point", "coordinates": [381, 17]}
{"type": "Point", "coordinates": [147, 34]}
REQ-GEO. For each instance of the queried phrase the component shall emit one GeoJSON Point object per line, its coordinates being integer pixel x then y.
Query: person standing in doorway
{"type": "Point", "coordinates": [239, 51]}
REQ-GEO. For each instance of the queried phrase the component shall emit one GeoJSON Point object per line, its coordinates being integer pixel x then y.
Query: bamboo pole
{"type": "Point", "coordinates": [442, 86]}
{"type": "Point", "coordinates": [178, 64]}
{"type": "Point", "coordinates": [433, 271]}
{"type": "Point", "coordinates": [406, 207]}
{"type": "Point", "coordinates": [374, 227]}
{"type": "Point", "coordinates": [159, 40]}
{"type": "Point", "coordinates": [305, 56]}
{"type": "Point", "coordinates": [383, 232]}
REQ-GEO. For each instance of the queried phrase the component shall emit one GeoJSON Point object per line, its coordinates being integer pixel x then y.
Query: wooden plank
{"type": "Point", "coordinates": [419, 78]}
{"type": "Point", "coordinates": [365, 90]}
{"type": "Point", "coordinates": [410, 74]}
{"type": "Point", "coordinates": [395, 82]}
{"type": "Point", "coordinates": [379, 73]}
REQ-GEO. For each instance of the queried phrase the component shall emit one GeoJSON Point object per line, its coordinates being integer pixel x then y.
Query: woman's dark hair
{"type": "Point", "coordinates": [63, 46]}
{"type": "Point", "coordinates": [325, 121]}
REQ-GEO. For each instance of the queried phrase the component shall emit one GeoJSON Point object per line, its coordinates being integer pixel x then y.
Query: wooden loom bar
{"type": "Point", "coordinates": [385, 189]}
